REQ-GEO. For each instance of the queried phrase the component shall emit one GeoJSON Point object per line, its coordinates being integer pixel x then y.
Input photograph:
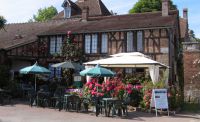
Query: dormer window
{"type": "Point", "coordinates": [67, 12]}
{"type": "Point", "coordinates": [67, 9]}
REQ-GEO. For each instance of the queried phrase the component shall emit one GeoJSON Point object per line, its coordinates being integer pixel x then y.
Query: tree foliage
{"type": "Point", "coordinates": [2, 22]}
{"type": "Point", "coordinates": [44, 14]}
{"type": "Point", "coordinates": [149, 6]}
{"type": "Point", "coordinates": [192, 36]}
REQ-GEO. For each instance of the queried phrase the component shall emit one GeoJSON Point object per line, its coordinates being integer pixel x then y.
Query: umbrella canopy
{"type": "Point", "coordinates": [35, 69]}
{"type": "Point", "coordinates": [83, 73]}
{"type": "Point", "coordinates": [134, 59]}
{"type": "Point", "coordinates": [98, 71]}
{"type": "Point", "coordinates": [66, 64]}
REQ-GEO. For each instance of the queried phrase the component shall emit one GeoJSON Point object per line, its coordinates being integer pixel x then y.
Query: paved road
{"type": "Point", "coordinates": [24, 113]}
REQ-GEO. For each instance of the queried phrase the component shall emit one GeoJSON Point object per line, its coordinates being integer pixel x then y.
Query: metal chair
{"type": "Point", "coordinates": [43, 99]}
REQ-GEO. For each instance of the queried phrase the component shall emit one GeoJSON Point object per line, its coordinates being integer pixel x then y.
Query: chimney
{"type": "Point", "coordinates": [85, 13]}
{"type": "Point", "coordinates": [185, 13]}
{"type": "Point", "coordinates": [165, 7]}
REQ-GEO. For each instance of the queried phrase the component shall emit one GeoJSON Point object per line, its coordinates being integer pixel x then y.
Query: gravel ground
{"type": "Point", "coordinates": [24, 113]}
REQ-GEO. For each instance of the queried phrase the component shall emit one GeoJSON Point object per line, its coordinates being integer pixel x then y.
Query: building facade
{"type": "Point", "coordinates": [98, 33]}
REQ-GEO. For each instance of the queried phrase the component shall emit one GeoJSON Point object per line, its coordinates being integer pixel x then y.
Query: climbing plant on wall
{"type": "Point", "coordinates": [70, 49]}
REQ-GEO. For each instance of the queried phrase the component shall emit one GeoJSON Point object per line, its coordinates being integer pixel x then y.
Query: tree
{"type": "Point", "coordinates": [2, 22]}
{"type": "Point", "coordinates": [192, 36]}
{"type": "Point", "coordinates": [44, 14]}
{"type": "Point", "coordinates": [149, 6]}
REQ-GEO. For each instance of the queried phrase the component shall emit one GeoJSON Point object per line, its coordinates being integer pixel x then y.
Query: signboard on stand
{"type": "Point", "coordinates": [77, 81]}
{"type": "Point", "coordinates": [159, 100]}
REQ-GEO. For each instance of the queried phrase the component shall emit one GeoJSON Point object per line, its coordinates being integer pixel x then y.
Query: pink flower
{"type": "Point", "coordinates": [138, 87]}
{"type": "Point", "coordinates": [90, 86]}
{"type": "Point", "coordinates": [98, 85]}
{"type": "Point", "coordinates": [88, 83]}
{"type": "Point", "coordinates": [94, 93]}
{"type": "Point", "coordinates": [129, 91]}
{"type": "Point", "coordinates": [108, 89]}
{"type": "Point", "coordinates": [95, 89]}
{"type": "Point", "coordinates": [81, 95]}
{"type": "Point", "coordinates": [69, 32]}
{"type": "Point", "coordinates": [100, 94]}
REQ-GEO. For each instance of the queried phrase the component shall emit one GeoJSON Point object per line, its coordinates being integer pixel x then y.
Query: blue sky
{"type": "Point", "coordinates": [17, 11]}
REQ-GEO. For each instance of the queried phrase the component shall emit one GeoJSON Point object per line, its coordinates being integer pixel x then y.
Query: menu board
{"type": "Point", "coordinates": [159, 99]}
{"type": "Point", "coordinates": [77, 78]}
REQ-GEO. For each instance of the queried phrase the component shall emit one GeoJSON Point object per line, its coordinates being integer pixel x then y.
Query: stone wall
{"type": "Point", "coordinates": [191, 57]}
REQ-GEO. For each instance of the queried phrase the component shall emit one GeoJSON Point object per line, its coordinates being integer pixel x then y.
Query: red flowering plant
{"type": "Point", "coordinates": [116, 88]}
{"type": "Point", "coordinates": [92, 88]}
{"type": "Point", "coordinates": [147, 91]}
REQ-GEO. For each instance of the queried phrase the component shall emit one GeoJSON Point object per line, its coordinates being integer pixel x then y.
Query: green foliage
{"type": "Point", "coordinates": [2, 22]}
{"type": "Point", "coordinates": [71, 51]}
{"type": "Point", "coordinates": [191, 107]}
{"type": "Point", "coordinates": [192, 36]}
{"type": "Point", "coordinates": [4, 76]}
{"type": "Point", "coordinates": [44, 14]}
{"type": "Point", "coordinates": [136, 97]}
{"type": "Point", "coordinates": [149, 6]}
{"type": "Point", "coordinates": [147, 92]}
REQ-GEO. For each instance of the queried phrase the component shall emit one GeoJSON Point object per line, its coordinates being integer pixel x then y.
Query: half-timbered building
{"type": "Point", "coordinates": [98, 33]}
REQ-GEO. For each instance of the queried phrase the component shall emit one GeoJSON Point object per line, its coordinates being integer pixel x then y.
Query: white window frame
{"type": "Point", "coordinates": [139, 41]}
{"type": "Point", "coordinates": [67, 12]}
{"type": "Point", "coordinates": [91, 42]}
{"type": "Point", "coordinates": [59, 45]}
{"type": "Point", "coordinates": [55, 44]}
{"type": "Point", "coordinates": [52, 45]}
{"type": "Point", "coordinates": [87, 43]}
{"type": "Point", "coordinates": [94, 43]}
{"type": "Point", "coordinates": [104, 43]}
{"type": "Point", "coordinates": [130, 40]}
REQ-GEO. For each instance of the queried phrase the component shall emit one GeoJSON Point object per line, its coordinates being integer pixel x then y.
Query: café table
{"type": "Point", "coordinates": [65, 100]}
{"type": "Point", "coordinates": [110, 102]}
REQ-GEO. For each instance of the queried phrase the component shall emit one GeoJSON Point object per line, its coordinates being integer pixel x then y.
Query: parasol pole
{"type": "Point", "coordinates": [35, 82]}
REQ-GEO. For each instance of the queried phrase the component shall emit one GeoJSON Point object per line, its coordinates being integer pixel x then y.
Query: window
{"type": "Point", "coordinates": [87, 43]}
{"type": "Point", "coordinates": [130, 42]}
{"type": "Point", "coordinates": [139, 41]}
{"type": "Point", "coordinates": [94, 43]}
{"type": "Point", "coordinates": [91, 43]}
{"type": "Point", "coordinates": [67, 12]}
{"type": "Point", "coordinates": [59, 45]}
{"type": "Point", "coordinates": [104, 43]}
{"type": "Point", "coordinates": [52, 45]}
{"type": "Point", "coordinates": [55, 72]}
{"type": "Point", "coordinates": [55, 44]}
{"type": "Point", "coordinates": [130, 70]}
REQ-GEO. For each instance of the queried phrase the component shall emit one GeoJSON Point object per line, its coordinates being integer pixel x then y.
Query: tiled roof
{"type": "Point", "coordinates": [22, 33]}
{"type": "Point", "coordinates": [18, 34]}
{"type": "Point", "coordinates": [115, 23]}
{"type": "Point", "coordinates": [96, 8]}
